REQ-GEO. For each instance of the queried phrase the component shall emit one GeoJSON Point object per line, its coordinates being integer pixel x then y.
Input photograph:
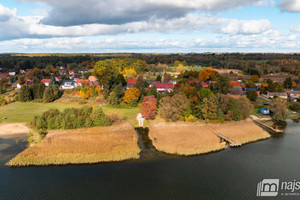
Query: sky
{"type": "Point", "coordinates": [149, 26]}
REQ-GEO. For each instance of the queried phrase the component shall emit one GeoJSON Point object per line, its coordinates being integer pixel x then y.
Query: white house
{"type": "Point", "coordinates": [47, 82]}
{"type": "Point", "coordinates": [68, 84]}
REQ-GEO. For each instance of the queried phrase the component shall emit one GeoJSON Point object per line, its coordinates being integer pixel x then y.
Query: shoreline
{"type": "Point", "coordinates": [120, 142]}
{"type": "Point", "coordinates": [13, 129]}
{"type": "Point", "coordinates": [199, 138]}
{"type": "Point", "coordinates": [81, 146]}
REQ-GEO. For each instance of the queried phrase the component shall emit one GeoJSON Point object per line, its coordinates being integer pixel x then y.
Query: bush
{"type": "Point", "coordinates": [133, 103]}
{"type": "Point", "coordinates": [252, 95]}
{"type": "Point", "coordinates": [99, 118]}
{"type": "Point", "coordinates": [295, 106]}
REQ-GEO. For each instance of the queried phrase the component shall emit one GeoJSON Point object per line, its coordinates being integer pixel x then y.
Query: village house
{"type": "Point", "coordinates": [277, 94]}
{"type": "Point", "coordinates": [71, 72]}
{"type": "Point", "coordinates": [131, 83]}
{"type": "Point", "coordinates": [12, 73]}
{"type": "Point", "coordinates": [22, 71]}
{"type": "Point", "coordinates": [46, 82]}
{"type": "Point", "coordinates": [163, 87]}
{"type": "Point", "coordinates": [27, 82]}
{"type": "Point", "coordinates": [203, 84]}
{"type": "Point", "coordinates": [7, 75]}
{"type": "Point", "coordinates": [68, 84]}
{"type": "Point", "coordinates": [57, 78]}
{"type": "Point", "coordinates": [237, 90]}
{"type": "Point", "coordinates": [83, 71]}
{"type": "Point", "coordinates": [294, 94]}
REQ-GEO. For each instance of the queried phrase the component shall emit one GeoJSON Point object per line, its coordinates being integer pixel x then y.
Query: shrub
{"type": "Point", "coordinates": [99, 118]}
{"type": "Point", "coordinates": [252, 95]}
{"type": "Point", "coordinates": [133, 103]}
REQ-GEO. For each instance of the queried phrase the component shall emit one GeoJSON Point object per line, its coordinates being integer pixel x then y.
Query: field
{"type": "Point", "coordinates": [82, 146]}
{"type": "Point", "coordinates": [241, 132]}
{"type": "Point", "coordinates": [24, 112]}
{"type": "Point", "coordinates": [184, 138]}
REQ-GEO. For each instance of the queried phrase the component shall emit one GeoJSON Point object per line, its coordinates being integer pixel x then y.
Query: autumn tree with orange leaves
{"type": "Point", "coordinates": [148, 107]}
{"type": "Point", "coordinates": [207, 74]}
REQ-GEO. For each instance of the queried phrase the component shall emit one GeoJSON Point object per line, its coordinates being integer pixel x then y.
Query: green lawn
{"type": "Point", "coordinates": [24, 112]}
{"type": "Point", "coordinates": [130, 113]}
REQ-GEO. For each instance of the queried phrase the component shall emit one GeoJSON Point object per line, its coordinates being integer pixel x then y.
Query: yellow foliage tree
{"type": "Point", "coordinates": [131, 94]}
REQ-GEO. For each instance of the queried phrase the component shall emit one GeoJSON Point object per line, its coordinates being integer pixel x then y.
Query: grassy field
{"type": "Point", "coordinates": [184, 138]}
{"type": "Point", "coordinates": [82, 146]}
{"type": "Point", "coordinates": [24, 112]}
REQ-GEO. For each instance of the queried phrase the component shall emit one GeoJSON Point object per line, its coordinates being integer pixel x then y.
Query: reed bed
{"type": "Point", "coordinates": [82, 146]}
{"type": "Point", "coordinates": [242, 132]}
{"type": "Point", "coordinates": [184, 138]}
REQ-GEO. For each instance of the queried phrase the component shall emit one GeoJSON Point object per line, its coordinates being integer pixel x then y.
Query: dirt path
{"type": "Point", "coordinates": [13, 129]}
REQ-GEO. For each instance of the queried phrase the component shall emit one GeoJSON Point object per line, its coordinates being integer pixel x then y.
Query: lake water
{"type": "Point", "coordinates": [229, 174]}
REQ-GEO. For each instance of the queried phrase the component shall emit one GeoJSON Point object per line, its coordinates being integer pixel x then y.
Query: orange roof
{"type": "Point", "coordinates": [46, 80]}
{"type": "Point", "coordinates": [235, 83]}
{"type": "Point", "coordinates": [93, 78]}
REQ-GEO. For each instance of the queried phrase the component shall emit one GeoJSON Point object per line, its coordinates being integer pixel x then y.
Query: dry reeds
{"type": "Point", "coordinates": [92, 145]}
{"type": "Point", "coordinates": [242, 132]}
{"type": "Point", "coordinates": [184, 138]}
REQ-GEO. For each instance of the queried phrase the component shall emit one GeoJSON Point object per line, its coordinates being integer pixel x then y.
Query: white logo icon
{"type": "Point", "coordinates": [268, 188]}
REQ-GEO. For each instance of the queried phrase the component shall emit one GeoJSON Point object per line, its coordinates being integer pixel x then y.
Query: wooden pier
{"type": "Point", "coordinates": [267, 127]}
{"type": "Point", "coordinates": [225, 139]}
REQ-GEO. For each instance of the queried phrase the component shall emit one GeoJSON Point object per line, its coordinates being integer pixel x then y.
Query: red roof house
{"type": "Point", "coordinates": [163, 87]}
{"type": "Point", "coordinates": [46, 82]}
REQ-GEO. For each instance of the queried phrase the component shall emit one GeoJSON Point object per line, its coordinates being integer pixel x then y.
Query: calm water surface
{"type": "Point", "coordinates": [229, 174]}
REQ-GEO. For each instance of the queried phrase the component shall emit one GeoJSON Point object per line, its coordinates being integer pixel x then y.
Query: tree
{"type": "Point", "coordinates": [209, 108]}
{"type": "Point", "coordinates": [153, 91]}
{"type": "Point", "coordinates": [278, 106]}
{"type": "Point", "coordinates": [222, 85]}
{"type": "Point", "coordinates": [25, 94]}
{"type": "Point", "coordinates": [148, 107]}
{"type": "Point", "coordinates": [99, 118]}
{"type": "Point", "coordinates": [288, 83]}
{"type": "Point", "coordinates": [158, 78]}
{"type": "Point", "coordinates": [118, 90]}
{"type": "Point", "coordinates": [204, 93]}
{"type": "Point", "coordinates": [131, 94]}
{"type": "Point", "coordinates": [51, 93]}
{"type": "Point", "coordinates": [252, 95]}
{"type": "Point", "coordinates": [21, 80]}
{"type": "Point", "coordinates": [234, 109]}
{"type": "Point", "coordinates": [113, 99]}
{"type": "Point", "coordinates": [245, 107]}
{"type": "Point", "coordinates": [173, 107]}
{"type": "Point", "coordinates": [255, 78]}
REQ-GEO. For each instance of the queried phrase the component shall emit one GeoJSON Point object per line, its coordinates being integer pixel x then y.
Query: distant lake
{"type": "Point", "coordinates": [229, 174]}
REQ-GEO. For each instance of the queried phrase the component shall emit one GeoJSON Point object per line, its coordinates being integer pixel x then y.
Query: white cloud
{"type": "Point", "coordinates": [79, 12]}
{"type": "Point", "coordinates": [289, 5]}
{"type": "Point", "coordinates": [6, 13]}
{"type": "Point", "coordinates": [247, 26]}
{"type": "Point", "coordinates": [295, 28]}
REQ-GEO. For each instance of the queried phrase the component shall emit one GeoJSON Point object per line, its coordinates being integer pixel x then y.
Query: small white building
{"type": "Point", "coordinates": [68, 84]}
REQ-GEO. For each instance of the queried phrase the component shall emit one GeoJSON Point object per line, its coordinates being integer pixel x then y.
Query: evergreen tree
{"type": "Point", "coordinates": [25, 94]}
{"type": "Point", "coordinates": [99, 118]}
{"type": "Point", "coordinates": [113, 99]}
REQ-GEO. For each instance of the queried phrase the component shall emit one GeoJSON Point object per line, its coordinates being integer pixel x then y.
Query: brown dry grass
{"type": "Point", "coordinates": [241, 132]}
{"type": "Point", "coordinates": [184, 138]}
{"type": "Point", "coordinates": [93, 145]}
